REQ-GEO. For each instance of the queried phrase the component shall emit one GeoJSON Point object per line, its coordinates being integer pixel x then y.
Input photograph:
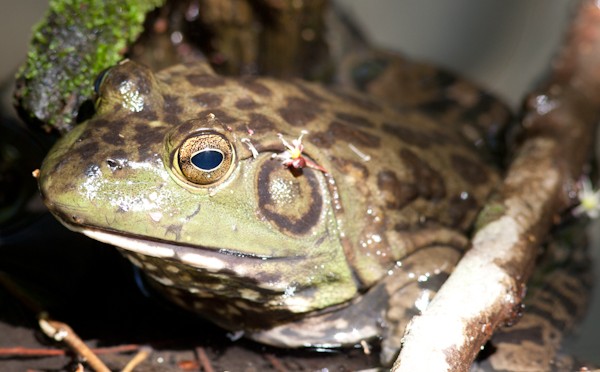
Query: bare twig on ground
{"type": "Point", "coordinates": [63, 333]}
{"type": "Point", "coordinates": [143, 354]}
{"type": "Point", "coordinates": [204, 360]}
{"type": "Point", "coordinates": [558, 133]}
{"type": "Point", "coordinates": [275, 363]}
{"type": "Point", "coordinates": [19, 351]}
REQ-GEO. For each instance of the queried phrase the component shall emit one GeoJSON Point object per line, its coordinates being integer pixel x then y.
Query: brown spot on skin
{"type": "Point", "coordinates": [357, 120]}
{"type": "Point", "coordinates": [147, 114]}
{"type": "Point", "coordinates": [205, 80]}
{"type": "Point", "coordinates": [220, 115]}
{"type": "Point", "coordinates": [429, 183]}
{"type": "Point", "coordinates": [185, 128]}
{"type": "Point", "coordinates": [357, 100]}
{"type": "Point", "coordinates": [309, 93]}
{"type": "Point", "coordinates": [353, 135]}
{"type": "Point", "coordinates": [470, 171]}
{"type": "Point", "coordinates": [246, 103]}
{"type": "Point", "coordinates": [114, 126]}
{"type": "Point", "coordinates": [395, 193]}
{"type": "Point", "coordinates": [252, 85]}
{"type": "Point", "coordinates": [322, 139]}
{"type": "Point", "coordinates": [86, 151]}
{"type": "Point", "coordinates": [171, 104]}
{"type": "Point", "coordinates": [338, 131]}
{"type": "Point", "coordinates": [299, 111]}
{"type": "Point", "coordinates": [260, 123]}
{"type": "Point", "coordinates": [208, 100]}
{"type": "Point", "coordinates": [171, 119]}
{"type": "Point", "coordinates": [113, 138]}
{"type": "Point", "coordinates": [144, 138]}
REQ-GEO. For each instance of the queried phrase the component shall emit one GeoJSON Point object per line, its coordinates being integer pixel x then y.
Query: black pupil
{"type": "Point", "coordinates": [207, 159]}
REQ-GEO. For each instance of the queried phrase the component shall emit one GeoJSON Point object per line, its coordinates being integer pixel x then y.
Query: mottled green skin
{"type": "Point", "coordinates": [293, 259]}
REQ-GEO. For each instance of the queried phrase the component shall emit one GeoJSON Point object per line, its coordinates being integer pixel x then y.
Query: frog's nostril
{"type": "Point", "coordinates": [77, 219]}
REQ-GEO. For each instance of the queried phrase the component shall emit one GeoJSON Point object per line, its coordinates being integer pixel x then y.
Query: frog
{"type": "Point", "coordinates": [299, 214]}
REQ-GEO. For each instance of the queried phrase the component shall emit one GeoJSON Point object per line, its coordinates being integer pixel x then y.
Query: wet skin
{"type": "Point", "coordinates": [182, 170]}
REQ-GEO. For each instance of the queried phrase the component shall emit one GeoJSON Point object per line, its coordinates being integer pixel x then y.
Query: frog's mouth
{"type": "Point", "coordinates": [212, 259]}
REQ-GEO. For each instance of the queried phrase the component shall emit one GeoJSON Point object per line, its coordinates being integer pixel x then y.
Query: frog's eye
{"type": "Point", "coordinates": [100, 79]}
{"type": "Point", "coordinates": [205, 158]}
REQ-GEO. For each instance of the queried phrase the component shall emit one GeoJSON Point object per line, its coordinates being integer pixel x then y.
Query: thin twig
{"type": "Point", "coordinates": [63, 333]}
{"type": "Point", "coordinates": [20, 351]}
{"type": "Point", "coordinates": [203, 359]}
{"type": "Point", "coordinates": [143, 354]}
{"type": "Point", "coordinates": [275, 363]}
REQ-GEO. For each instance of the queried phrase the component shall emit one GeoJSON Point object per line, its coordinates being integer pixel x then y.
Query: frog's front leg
{"type": "Point", "coordinates": [409, 288]}
{"type": "Point", "coordinates": [385, 309]}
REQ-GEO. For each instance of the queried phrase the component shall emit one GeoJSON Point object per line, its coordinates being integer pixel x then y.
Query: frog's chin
{"type": "Point", "coordinates": [207, 259]}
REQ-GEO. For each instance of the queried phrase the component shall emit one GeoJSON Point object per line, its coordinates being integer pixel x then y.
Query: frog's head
{"type": "Point", "coordinates": [191, 205]}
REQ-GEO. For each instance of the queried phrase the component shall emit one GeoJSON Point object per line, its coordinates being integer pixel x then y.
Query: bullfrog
{"type": "Point", "coordinates": [299, 214]}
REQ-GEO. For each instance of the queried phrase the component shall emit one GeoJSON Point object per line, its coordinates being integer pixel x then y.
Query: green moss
{"type": "Point", "coordinates": [76, 40]}
{"type": "Point", "coordinates": [490, 212]}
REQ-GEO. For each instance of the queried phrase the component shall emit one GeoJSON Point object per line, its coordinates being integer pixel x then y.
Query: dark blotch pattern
{"type": "Point", "coordinates": [254, 86]}
{"type": "Point", "coordinates": [113, 138]}
{"type": "Point", "coordinates": [208, 100]}
{"type": "Point", "coordinates": [185, 128]}
{"type": "Point", "coordinates": [357, 100]}
{"type": "Point", "coordinates": [172, 105]}
{"type": "Point", "coordinates": [299, 111]}
{"type": "Point", "coordinates": [310, 93]}
{"type": "Point", "coordinates": [260, 123]}
{"type": "Point", "coordinates": [357, 120]}
{"type": "Point", "coordinates": [145, 137]}
{"type": "Point", "coordinates": [429, 183]}
{"type": "Point", "coordinates": [353, 135]}
{"type": "Point", "coordinates": [246, 103]}
{"type": "Point", "coordinates": [345, 133]}
{"type": "Point", "coordinates": [205, 80]}
{"type": "Point", "coordinates": [86, 151]}
{"type": "Point", "coordinates": [395, 193]}
{"type": "Point", "coordinates": [470, 171]}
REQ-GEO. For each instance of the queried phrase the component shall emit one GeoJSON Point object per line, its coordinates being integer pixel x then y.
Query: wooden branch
{"type": "Point", "coordinates": [489, 282]}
